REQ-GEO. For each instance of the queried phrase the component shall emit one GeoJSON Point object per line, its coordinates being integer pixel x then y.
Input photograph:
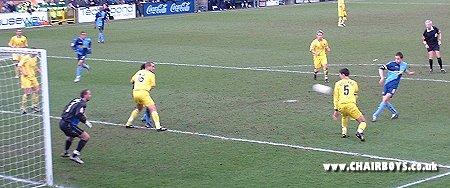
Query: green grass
{"type": "Point", "coordinates": [249, 104]}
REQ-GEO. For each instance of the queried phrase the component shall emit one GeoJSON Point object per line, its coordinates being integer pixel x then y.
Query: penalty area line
{"type": "Point", "coordinates": [255, 141]}
{"type": "Point", "coordinates": [306, 148]}
{"type": "Point", "coordinates": [240, 68]}
{"type": "Point", "coordinates": [424, 180]}
{"type": "Point", "coordinates": [335, 65]}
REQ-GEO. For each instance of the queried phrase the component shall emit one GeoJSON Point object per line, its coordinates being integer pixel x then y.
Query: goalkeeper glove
{"type": "Point", "coordinates": [88, 124]}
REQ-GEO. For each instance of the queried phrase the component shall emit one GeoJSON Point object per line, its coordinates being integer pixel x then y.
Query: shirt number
{"type": "Point", "coordinates": [141, 77]}
{"type": "Point", "coordinates": [346, 90]}
{"type": "Point", "coordinates": [71, 104]}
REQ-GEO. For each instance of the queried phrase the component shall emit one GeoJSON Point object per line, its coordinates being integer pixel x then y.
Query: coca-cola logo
{"type": "Point", "coordinates": [168, 8]}
{"type": "Point", "coordinates": [160, 9]}
{"type": "Point", "coordinates": [184, 7]}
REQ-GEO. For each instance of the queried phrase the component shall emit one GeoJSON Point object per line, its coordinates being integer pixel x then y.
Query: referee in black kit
{"type": "Point", "coordinates": [432, 40]}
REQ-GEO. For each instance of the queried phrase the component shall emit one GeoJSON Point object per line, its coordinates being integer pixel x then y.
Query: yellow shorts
{"type": "Point", "coordinates": [16, 57]}
{"type": "Point", "coordinates": [143, 97]}
{"type": "Point", "coordinates": [342, 13]}
{"type": "Point", "coordinates": [28, 82]}
{"type": "Point", "coordinates": [350, 109]}
{"type": "Point", "coordinates": [319, 61]}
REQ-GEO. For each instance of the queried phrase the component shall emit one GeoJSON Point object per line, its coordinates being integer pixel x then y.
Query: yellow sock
{"type": "Point", "coordinates": [155, 118]}
{"type": "Point", "coordinates": [344, 125]}
{"type": "Point", "coordinates": [24, 102]}
{"type": "Point", "coordinates": [340, 21]}
{"type": "Point", "coordinates": [325, 72]}
{"type": "Point", "coordinates": [361, 127]}
{"type": "Point", "coordinates": [133, 115]}
{"type": "Point", "coordinates": [35, 100]}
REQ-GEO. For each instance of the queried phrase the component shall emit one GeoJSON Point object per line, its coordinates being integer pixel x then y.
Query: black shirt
{"type": "Point", "coordinates": [431, 37]}
{"type": "Point", "coordinates": [74, 111]}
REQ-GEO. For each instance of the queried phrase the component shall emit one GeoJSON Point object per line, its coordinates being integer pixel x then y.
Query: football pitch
{"type": "Point", "coordinates": [225, 86]}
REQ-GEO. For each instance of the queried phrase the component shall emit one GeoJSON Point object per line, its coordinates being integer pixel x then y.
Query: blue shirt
{"type": "Point", "coordinates": [395, 72]}
{"type": "Point", "coordinates": [100, 18]}
{"type": "Point", "coordinates": [81, 47]}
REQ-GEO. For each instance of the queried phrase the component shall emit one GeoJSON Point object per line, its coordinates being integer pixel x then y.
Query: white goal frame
{"type": "Point", "coordinates": [44, 92]}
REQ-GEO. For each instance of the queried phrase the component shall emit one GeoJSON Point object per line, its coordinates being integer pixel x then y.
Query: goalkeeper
{"type": "Point", "coordinates": [73, 114]}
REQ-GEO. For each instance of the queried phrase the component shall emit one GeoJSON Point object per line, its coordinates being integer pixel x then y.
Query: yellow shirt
{"type": "Point", "coordinates": [28, 64]}
{"type": "Point", "coordinates": [18, 42]}
{"type": "Point", "coordinates": [319, 46]}
{"type": "Point", "coordinates": [345, 91]}
{"type": "Point", "coordinates": [341, 5]}
{"type": "Point", "coordinates": [144, 80]}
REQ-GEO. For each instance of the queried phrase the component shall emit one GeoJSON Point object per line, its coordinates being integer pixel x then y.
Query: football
{"type": "Point", "coordinates": [322, 89]}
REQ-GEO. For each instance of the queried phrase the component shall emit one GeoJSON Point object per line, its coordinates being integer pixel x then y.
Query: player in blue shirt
{"type": "Point", "coordinates": [100, 19]}
{"type": "Point", "coordinates": [82, 46]}
{"type": "Point", "coordinates": [395, 70]}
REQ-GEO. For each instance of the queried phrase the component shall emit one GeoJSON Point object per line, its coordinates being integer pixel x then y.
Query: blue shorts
{"type": "Point", "coordinates": [433, 48]}
{"type": "Point", "coordinates": [81, 57]}
{"type": "Point", "coordinates": [390, 88]}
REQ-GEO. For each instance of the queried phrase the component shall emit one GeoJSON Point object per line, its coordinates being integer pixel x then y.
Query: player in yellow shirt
{"type": "Point", "coordinates": [344, 99]}
{"type": "Point", "coordinates": [144, 81]}
{"type": "Point", "coordinates": [28, 66]}
{"type": "Point", "coordinates": [342, 13]}
{"type": "Point", "coordinates": [18, 41]}
{"type": "Point", "coordinates": [319, 47]}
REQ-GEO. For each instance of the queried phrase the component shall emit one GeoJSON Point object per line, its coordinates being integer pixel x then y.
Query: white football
{"type": "Point", "coordinates": [327, 90]}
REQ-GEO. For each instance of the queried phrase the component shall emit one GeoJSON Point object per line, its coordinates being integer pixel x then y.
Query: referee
{"type": "Point", "coordinates": [432, 40]}
{"type": "Point", "coordinates": [73, 114]}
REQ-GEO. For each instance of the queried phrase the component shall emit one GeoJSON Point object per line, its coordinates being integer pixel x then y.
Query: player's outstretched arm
{"type": "Point", "coordinates": [424, 42]}
{"type": "Point", "coordinates": [11, 43]}
{"type": "Point", "coordinates": [335, 102]}
{"type": "Point", "coordinates": [439, 37]}
{"type": "Point", "coordinates": [410, 72]}
{"type": "Point", "coordinates": [381, 73]}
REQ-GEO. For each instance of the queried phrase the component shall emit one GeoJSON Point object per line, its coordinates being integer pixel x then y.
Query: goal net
{"type": "Point", "coordinates": [25, 140]}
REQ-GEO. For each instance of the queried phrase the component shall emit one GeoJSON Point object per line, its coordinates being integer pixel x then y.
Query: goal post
{"type": "Point", "coordinates": [25, 139]}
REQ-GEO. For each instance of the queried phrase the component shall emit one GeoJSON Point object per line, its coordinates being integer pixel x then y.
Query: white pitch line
{"type": "Point", "coordinates": [279, 144]}
{"type": "Point", "coordinates": [393, 3]}
{"type": "Point", "coordinates": [333, 65]}
{"type": "Point", "coordinates": [257, 142]}
{"type": "Point", "coordinates": [240, 68]}
{"type": "Point", "coordinates": [21, 180]}
{"type": "Point", "coordinates": [424, 180]}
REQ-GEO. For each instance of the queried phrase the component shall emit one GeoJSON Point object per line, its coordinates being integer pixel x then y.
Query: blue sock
{"type": "Point", "coordinates": [103, 37]}
{"type": "Point", "coordinates": [148, 119]}
{"type": "Point", "coordinates": [391, 108]}
{"type": "Point", "coordinates": [86, 66]}
{"type": "Point", "coordinates": [79, 70]}
{"type": "Point", "coordinates": [100, 37]}
{"type": "Point", "coordinates": [380, 109]}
